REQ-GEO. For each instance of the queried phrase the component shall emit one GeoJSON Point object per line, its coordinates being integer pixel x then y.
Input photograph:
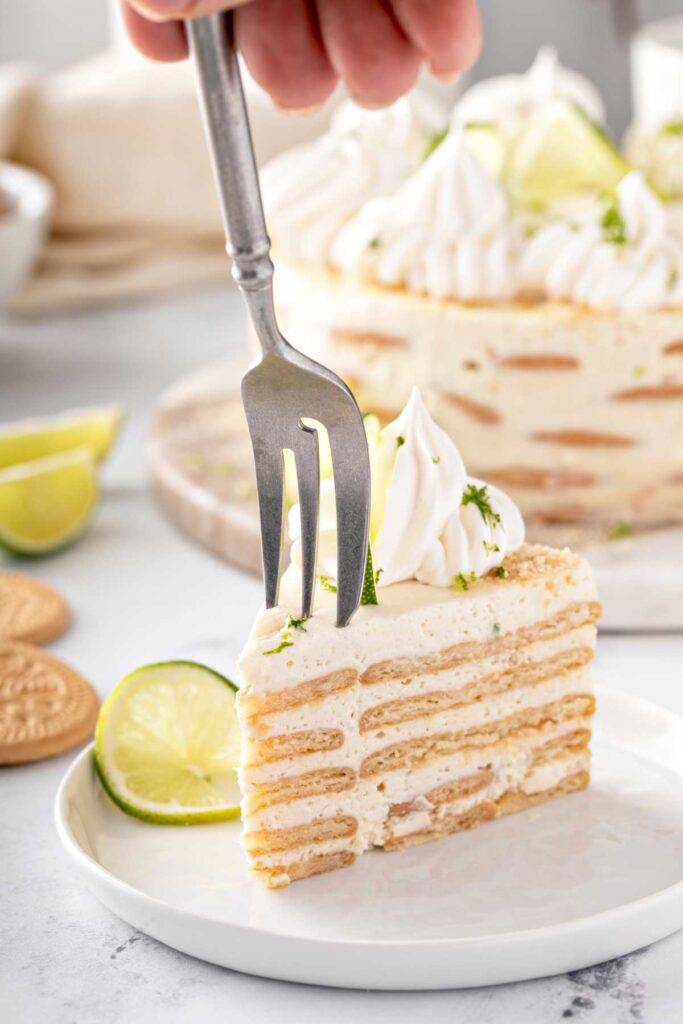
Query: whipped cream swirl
{"type": "Point", "coordinates": [310, 191]}
{"type": "Point", "coordinates": [444, 232]}
{"type": "Point", "coordinates": [507, 100]}
{"type": "Point", "coordinates": [617, 255]}
{"type": "Point", "coordinates": [431, 522]}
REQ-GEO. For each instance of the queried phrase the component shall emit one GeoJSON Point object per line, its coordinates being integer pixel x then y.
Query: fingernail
{"type": "Point", "coordinates": [297, 111]}
{"type": "Point", "coordinates": [445, 75]}
{"type": "Point", "coordinates": [160, 9]}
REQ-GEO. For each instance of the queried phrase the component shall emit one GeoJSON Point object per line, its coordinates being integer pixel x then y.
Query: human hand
{"type": "Point", "coordinates": [298, 50]}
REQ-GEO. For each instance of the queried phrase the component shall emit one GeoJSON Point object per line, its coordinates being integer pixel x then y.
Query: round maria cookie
{"type": "Point", "coordinates": [46, 707]}
{"type": "Point", "coordinates": [30, 610]}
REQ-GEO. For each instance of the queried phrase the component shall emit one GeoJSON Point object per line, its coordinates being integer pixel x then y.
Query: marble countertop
{"type": "Point", "coordinates": [141, 593]}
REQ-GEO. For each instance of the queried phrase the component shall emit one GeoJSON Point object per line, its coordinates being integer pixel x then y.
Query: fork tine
{"type": "Point", "coordinates": [351, 468]}
{"type": "Point", "coordinates": [308, 481]}
{"type": "Point", "coordinates": [269, 462]}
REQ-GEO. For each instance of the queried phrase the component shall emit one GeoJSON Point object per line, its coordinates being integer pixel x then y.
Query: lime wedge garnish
{"type": "Point", "coordinates": [167, 743]}
{"type": "Point", "coordinates": [561, 151]}
{"type": "Point", "coordinates": [36, 439]}
{"type": "Point", "coordinates": [489, 147]}
{"type": "Point", "coordinates": [369, 592]}
{"type": "Point", "coordinates": [45, 504]}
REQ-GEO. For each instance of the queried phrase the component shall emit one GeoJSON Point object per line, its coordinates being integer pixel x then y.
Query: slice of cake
{"type": "Point", "coordinates": [463, 695]}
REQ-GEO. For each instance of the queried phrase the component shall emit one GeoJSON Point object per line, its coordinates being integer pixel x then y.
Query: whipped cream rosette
{"type": "Point", "coordinates": [445, 231]}
{"type": "Point", "coordinates": [430, 521]}
{"type": "Point", "coordinates": [312, 190]}
{"type": "Point", "coordinates": [617, 255]}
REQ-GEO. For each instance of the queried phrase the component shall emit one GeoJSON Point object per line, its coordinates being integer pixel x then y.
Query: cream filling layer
{"type": "Point", "coordinates": [357, 746]}
{"type": "Point", "coordinates": [301, 853]}
{"type": "Point", "coordinates": [512, 778]}
{"type": "Point", "coordinates": [411, 619]}
{"type": "Point", "coordinates": [369, 804]}
{"type": "Point", "coordinates": [340, 711]}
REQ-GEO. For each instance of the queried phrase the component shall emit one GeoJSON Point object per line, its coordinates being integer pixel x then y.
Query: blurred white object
{"type": "Point", "coordinates": [121, 140]}
{"type": "Point", "coordinates": [657, 74]}
{"type": "Point", "coordinates": [27, 200]}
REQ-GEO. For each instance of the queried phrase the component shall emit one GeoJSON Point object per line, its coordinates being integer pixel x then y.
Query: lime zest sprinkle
{"type": "Point", "coordinates": [435, 141]}
{"type": "Point", "coordinates": [613, 224]}
{"type": "Point", "coordinates": [672, 279]}
{"type": "Point", "coordinates": [400, 441]}
{"type": "Point", "coordinates": [326, 585]}
{"type": "Point", "coordinates": [618, 531]}
{"type": "Point", "coordinates": [501, 572]}
{"type": "Point", "coordinates": [491, 549]}
{"type": "Point", "coordinates": [280, 647]}
{"type": "Point", "coordinates": [496, 628]}
{"type": "Point", "coordinates": [479, 496]}
{"type": "Point", "coordinates": [674, 127]}
{"type": "Point", "coordinates": [293, 623]}
{"type": "Point", "coordinates": [374, 242]}
{"type": "Point", "coordinates": [436, 459]}
{"type": "Point", "coordinates": [462, 582]}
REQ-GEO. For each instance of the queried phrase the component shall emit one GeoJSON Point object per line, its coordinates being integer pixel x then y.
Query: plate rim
{"type": "Point", "coordinates": [605, 918]}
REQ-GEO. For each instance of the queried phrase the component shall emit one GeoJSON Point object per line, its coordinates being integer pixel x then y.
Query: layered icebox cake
{"type": "Point", "coordinates": [462, 695]}
{"type": "Point", "coordinates": [507, 261]}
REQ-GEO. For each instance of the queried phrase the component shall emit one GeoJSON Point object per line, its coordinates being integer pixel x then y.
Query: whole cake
{"type": "Point", "coordinates": [516, 271]}
{"type": "Point", "coordinates": [463, 694]}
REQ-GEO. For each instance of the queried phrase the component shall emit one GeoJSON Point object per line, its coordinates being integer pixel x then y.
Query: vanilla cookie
{"type": "Point", "coordinates": [46, 707]}
{"type": "Point", "coordinates": [30, 610]}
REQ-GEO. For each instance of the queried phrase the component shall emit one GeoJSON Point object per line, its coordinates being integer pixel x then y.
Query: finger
{"type": "Point", "coordinates": [165, 42]}
{"type": "Point", "coordinates": [281, 45]}
{"type": "Point", "coordinates": [447, 32]}
{"type": "Point", "coordinates": [175, 10]}
{"type": "Point", "coordinates": [368, 50]}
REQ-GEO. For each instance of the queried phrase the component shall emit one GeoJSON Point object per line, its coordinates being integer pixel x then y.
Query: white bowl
{"type": "Point", "coordinates": [22, 226]}
{"type": "Point", "coordinates": [657, 74]}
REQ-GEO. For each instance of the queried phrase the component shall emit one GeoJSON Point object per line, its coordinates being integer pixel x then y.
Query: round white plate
{"type": "Point", "coordinates": [573, 883]}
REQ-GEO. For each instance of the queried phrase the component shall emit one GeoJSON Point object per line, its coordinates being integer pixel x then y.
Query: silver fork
{"type": "Point", "coordinates": [286, 385]}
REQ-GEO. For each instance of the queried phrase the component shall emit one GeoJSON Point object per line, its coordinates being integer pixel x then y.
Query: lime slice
{"type": "Point", "coordinates": [46, 504]}
{"type": "Point", "coordinates": [561, 151]}
{"type": "Point", "coordinates": [36, 439]}
{"type": "Point", "coordinates": [485, 141]}
{"type": "Point", "coordinates": [167, 742]}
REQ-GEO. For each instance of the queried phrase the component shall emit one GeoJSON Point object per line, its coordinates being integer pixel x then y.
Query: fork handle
{"type": "Point", "coordinates": [226, 122]}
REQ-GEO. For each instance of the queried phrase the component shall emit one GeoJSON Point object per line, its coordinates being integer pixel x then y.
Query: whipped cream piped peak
{"type": "Point", "coordinates": [444, 232]}
{"type": "Point", "coordinates": [310, 191]}
{"type": "Point", "coordinates": [507, 100]}
{"type": "Point", "coordinates": [430, 521]}
{"type": "Point", "coordinates": [616, 255]}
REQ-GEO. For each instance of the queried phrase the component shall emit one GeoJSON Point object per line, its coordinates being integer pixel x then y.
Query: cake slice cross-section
{"type": "Point", "coordinates": [438, 710]}
{"type": "Point", "coordinates": [462, 695]}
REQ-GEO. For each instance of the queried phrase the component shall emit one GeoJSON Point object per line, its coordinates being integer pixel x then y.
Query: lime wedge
{"type": "Point", "coordinates": [167, 742]}
{"type": "Point", "coordinates": [487, 144]}
{"type": "Point", "coordinates": [36, 439]}
{"type": "Point", "coordinates": [561, 151]}
{"type": "Point", "coordinates": [46, 504]}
